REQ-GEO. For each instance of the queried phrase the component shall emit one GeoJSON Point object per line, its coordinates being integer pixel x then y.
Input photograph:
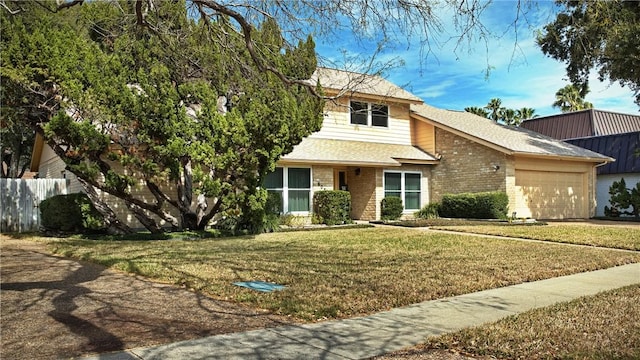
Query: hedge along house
{"type": "Point", "coordinates": [379, 140]}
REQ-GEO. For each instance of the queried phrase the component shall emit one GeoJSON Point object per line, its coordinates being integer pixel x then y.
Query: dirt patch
{"type": "Point", "coordinates": [59, 308]}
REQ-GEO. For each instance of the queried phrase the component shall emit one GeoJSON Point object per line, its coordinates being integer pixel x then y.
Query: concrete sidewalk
{"type": "Point", "coordinates": [368, 336]}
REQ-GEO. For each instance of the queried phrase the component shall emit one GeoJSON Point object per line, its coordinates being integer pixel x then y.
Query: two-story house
{"type": "Point", "coordinates": [379, 140]}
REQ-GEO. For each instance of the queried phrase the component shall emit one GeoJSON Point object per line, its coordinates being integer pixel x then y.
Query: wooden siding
{"type": "Point", "coordinates": [52, 167]}
{"type": "Point", "coordinates": [423, 135]}
{"type": "Point", "coordinates": [337, 125]}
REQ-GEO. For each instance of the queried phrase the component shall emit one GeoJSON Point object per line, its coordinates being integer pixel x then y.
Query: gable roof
{"type": "Point", "coordinates": [507, 139]}
{"type": "Point", "coordinates": [356, 153]}
{"type": "Point", "coordinates": [339, 82]}
{"type": "Point", "coordinates": [622, 147]}
{"type": "Point", "coordinates": [584, 123]}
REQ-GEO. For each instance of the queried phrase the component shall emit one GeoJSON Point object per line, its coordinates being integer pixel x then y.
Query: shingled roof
{"type": "Point", "coordinates": [356, 153]}
{"type": "Point", "coordinates": [350, 83]}
{"type": "Point", "coordinates": [584, 123]}
{"type": "Point", "coordinates": [508, 139]}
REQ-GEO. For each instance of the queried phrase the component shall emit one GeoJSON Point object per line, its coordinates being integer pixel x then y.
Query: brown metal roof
{"type": "Point", "coordinates": [584, 123]}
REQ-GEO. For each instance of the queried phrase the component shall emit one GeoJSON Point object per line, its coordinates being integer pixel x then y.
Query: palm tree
{"type": "Point", "coordinates": [477, 110]}
{"type": "Point", "coordinates": [509, 117]}
{"type": "Point", "coordinates": [526, 113]}
{"type": "Point", "coordinates": [495, 109]}
{"type": "Point", "coordinates": [570, 98]}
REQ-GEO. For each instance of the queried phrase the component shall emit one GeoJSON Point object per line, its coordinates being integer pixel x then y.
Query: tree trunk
{"type": "Point", "coordinates": [114, 225]}
{"type": "Point", "coordinates": [144, 219]}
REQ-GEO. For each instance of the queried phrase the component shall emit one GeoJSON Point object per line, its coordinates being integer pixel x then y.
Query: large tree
{"type": "Point", "coordinates": [596, 35]}
{"type": "Point", "coordinates": [128, 108]}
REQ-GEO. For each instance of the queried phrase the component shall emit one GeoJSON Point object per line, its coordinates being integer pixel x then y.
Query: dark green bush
{"type": "Point", "coordinates": [391, 208]}
{"type": "Point", "coordinates": [70, 213]}
{"type": "Point", "coordinates": [485, 205]}
{"type": "Point", "coordinates": [623, 198]}
{"type": "Point", "coordinates": [429, 211]}
{"type": "Point", "coordinates": [332, 207]}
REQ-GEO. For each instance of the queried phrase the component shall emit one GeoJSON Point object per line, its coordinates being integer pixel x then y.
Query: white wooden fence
{"type": "Point", "coordinates": [20, 202]}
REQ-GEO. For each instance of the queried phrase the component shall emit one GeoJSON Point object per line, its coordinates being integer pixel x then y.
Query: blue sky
{"type": "Point", "coordinates": [519, 74]}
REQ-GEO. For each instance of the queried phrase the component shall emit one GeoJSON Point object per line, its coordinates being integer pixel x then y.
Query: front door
{"type": "Point", "coordinates": [340, 179]}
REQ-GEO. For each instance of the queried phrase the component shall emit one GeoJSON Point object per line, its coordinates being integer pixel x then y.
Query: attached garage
{"type": "Point", "coordinates": [544, 178]}
{"type": "Point", "coordinates": [546, 189]}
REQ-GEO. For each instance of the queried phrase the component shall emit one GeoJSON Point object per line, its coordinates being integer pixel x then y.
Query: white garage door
{"type": "Point", "coordinates": [550, 195]}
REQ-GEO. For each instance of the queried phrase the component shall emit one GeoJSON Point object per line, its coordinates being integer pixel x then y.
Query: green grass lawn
{"type": "Point", "coordinates": [604, 326]}
{"type": "Point", "coordinates": [627, 237]}
{"type": "Point", "coordinates": [342, 273]}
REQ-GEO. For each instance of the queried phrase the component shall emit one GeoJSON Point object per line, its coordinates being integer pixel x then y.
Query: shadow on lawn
{"type": "Point", "coordinates": [54, 307]}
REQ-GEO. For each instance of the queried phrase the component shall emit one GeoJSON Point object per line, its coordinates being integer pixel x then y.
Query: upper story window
{"type": "Point", "coordinates": [369, 114]}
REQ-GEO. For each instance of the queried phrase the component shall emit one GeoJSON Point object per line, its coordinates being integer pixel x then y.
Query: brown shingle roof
{"type": "Point", "coordinates": [356, 153]}
{"type": "Point", "coordinates": [511, 140]}
{"type": "Point", "coordinates": [345, 82]}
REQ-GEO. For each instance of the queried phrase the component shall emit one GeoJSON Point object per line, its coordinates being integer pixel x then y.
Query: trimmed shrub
{"type": "Point", "coordinates": [70, 213]}
{"type": "Point", "coordinates": [332, 207]}
{"type": "Point", "coordinates": [391, 208]}
{"type": "Point", "coordinates": [485, 205]}
{"type": "Point", "coordinates": [429, 211]}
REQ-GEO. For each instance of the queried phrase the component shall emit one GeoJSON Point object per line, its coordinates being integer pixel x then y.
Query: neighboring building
{"type": "Point", "coordinates": [379, 140]}
{"type": "Point", "coordinates": [613, 134]}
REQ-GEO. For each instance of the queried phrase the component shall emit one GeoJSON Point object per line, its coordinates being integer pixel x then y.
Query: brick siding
{"type": "Point", "coordinates": [466, 166]}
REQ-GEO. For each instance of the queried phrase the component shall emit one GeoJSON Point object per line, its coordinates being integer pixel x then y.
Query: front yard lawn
{"type": "Point", "coordinates": [627, 237]}
{"type": "Point", "coordinates": [604, 326]}
{"type": "Point", "coordinates": [342, 273]}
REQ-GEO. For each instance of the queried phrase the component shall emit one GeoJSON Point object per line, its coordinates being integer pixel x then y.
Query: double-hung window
{"type": "Point", "coordinates": [369, 114]}
{"type": "Point", "coordinates": [405, 185]}
{"type": "Point", "coordinates": [294, 187]}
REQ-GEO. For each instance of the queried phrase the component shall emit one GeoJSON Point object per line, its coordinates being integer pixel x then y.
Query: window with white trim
{"type": "Point", "coordinates": [294, 187]}
{"type": "Point", "coordinates": [405, 185]}
{"type": "Point", "coordinates": [369, 114]}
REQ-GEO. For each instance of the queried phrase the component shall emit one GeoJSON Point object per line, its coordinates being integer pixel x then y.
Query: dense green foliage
{"type": "Point", "coordinates": [174, 107]}
{"type": "Point", "coordinates": [588, 35]}
{"type": "Point", "coordinates": [70, 213]}
{"type": "Point", "coordinates": [332, 207]}
{"type": "Point", "coordinates": [429, 211]}
{"type": "Point", "coordinates": [391, 208]}
{"type": "Point", "coordinates": [485, 205]}
{"type": "Point", "coordinates": [622, 199]}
